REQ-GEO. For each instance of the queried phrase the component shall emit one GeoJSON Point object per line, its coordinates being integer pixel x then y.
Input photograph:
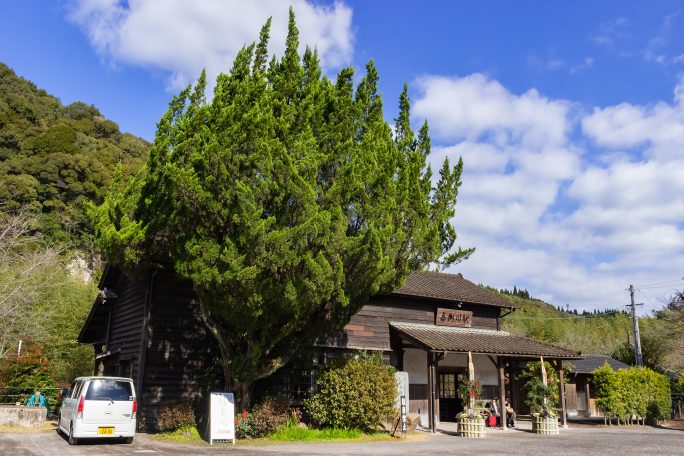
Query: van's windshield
{"type": "Point", "coordinates": [109, 390]}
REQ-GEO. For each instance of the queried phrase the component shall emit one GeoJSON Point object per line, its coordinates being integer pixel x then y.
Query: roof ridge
{"type": "Point", "coordinates": [452, 274]}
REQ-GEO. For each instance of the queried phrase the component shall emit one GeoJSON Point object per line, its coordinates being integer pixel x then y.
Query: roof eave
{"type": "Point", "coordinates": [441, 299]}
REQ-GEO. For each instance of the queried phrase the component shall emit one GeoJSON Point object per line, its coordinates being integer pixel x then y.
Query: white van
{"type": "Point", "coordinates": [99, 407]}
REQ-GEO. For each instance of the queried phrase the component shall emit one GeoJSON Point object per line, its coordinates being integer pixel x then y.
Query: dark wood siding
{"type": "Point", "coordinates": [125, 326]}
{"type": "Point", "coordinates": [179, 349]}
{"type": "Point", "coordinates": [369, 327]}
{"type": "Point", "coordinates": [418, 398]}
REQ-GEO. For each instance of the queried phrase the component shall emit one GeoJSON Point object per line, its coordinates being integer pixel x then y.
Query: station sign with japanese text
{"type": "Point", "coordinates": [453, 317]}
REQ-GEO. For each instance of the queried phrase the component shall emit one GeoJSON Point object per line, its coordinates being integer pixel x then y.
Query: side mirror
{"type": "Point", "coordinates": [64, 392]}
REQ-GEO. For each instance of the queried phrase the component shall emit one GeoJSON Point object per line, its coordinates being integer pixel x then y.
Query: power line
{"type": "Point", "coordinates": [571, 317]}
{"type": "Point", "coordinates": [659, 283]}
{"type": "Point", "coordinates": [674, 285]}
{"type": "Point", "coordinates": [649, 298]}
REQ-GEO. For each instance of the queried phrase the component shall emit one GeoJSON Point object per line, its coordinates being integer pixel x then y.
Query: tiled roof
{"type": "Point", "coordinates": [446, 338]}
{"type": "Point", "coordinates": [449, 287]}
{"type": "Point", "coordinates": [589, 363]}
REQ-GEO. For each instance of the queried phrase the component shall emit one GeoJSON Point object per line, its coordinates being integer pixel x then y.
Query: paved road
{"type": "Point", "coordinates": [584, 441]}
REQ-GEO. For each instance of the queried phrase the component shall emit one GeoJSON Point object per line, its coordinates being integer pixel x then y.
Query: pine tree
{"type": "Point", "coordinates": [287, 203]}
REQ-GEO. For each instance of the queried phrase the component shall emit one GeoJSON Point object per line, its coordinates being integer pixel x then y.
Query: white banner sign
{"type": "Point", "coordinates": [402, 398]}
{"type": "Point", "coordinates": [221, 417]}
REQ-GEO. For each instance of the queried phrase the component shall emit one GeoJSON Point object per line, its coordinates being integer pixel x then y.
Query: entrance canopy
{"type": "Point", "coordinates": [436, 341]}
{"type": "Point", "coordinates": [463, 340]}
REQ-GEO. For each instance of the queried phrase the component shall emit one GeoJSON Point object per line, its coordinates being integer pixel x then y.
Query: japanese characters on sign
{"type": "Point", "coordinates": [453, 317]}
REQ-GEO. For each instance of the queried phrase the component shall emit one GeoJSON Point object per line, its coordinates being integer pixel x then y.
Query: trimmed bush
{"type": "Point", "coordinates": [358, 394]}
{"type": "Point", "coordinates": [639, 393]}
{"type": "Point", "coordinates": [269, 416]}
{"type": "Point", "coordinates": [176, 415]}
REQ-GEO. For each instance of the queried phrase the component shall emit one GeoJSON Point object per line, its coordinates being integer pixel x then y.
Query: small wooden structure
{"type": "Point", "coordinates": [580, 397]}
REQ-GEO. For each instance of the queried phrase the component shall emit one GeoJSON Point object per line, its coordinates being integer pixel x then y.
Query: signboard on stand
{"type": "Point", "coordinates": [402, 399]}
{"type": "Point", "coordinates": [221, 417]}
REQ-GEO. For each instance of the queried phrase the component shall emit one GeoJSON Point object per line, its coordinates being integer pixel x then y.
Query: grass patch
{"type": "Point", "coordinates": [185, 435]}
{"type": "Point", "coordinates": [296, 434]}
{"type": "Point", "coordinates": [48, 426]}
{"type": "Point", "coordinates": [288, 434]}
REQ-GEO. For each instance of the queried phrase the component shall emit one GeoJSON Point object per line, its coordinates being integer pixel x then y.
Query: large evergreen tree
{"type": "Point", "coordinates": [287, 201]}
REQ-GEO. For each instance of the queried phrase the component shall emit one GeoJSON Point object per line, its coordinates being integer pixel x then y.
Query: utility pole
{"type": "Point", "coordinates": [635, 324]}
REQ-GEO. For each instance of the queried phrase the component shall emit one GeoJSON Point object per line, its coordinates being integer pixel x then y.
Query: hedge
{"type": "Point", "coordinates": [632, 394]}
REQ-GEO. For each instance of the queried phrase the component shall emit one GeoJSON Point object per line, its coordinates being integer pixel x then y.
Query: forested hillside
{"type": "Point", "coordinates": [53, 158]}
{"type": "Point", "coordinates": [599, 332]}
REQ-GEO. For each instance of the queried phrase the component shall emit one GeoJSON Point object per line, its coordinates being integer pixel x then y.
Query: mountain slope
{"type": "Point", "coordinates": [53, 158]}
{"type": "Point", "coordinates": [601, 332]}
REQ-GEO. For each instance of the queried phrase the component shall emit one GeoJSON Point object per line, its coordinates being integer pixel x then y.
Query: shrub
{"type": "Point", "coordinates": [358, 394]}
{"type": "Point", "coordinates": [541, 398]}
{"type": "Point", "coordinates": [176, 415]}
{"type": "Point", "coordinates": [638, 392]}
{"type": "Point", "coordinates": [269, 416]}
{"type": "Point", "coordinates": [243, 426]}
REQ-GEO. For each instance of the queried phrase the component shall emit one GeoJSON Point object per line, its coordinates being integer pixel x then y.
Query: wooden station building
{"type": "Point", "coordinates": [148, 328]}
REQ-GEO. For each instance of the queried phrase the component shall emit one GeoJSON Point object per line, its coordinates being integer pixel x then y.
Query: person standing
{"type": "Point", "coordinates": [510, 415]}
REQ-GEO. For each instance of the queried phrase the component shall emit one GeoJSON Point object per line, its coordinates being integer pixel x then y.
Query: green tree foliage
{"type": "Point", "coordinates": [286, 200]}
{"type": "Point", "coordinates": [41, 302]}
{"type": "Point", "coordinates": [653, 352]}
{"type": "Point", "coordinates": [636, 392]}
{"type": "Point", "coordinates": [359, 394]}
{"type": "Point", "coordinates": [27, 267]}
{"type": "Point", "coordinates": [541, 398]}
{"type": "Point", "coordinates": [27, 373]}
{"type": "Point", "coordinates": [671, 318]}
{"type": "Point", "coordinates": [54, 157]}
{"type": "Point", "coordinates": [677, 387]}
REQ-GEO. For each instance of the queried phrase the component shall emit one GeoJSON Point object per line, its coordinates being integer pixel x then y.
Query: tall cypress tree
{"type": "Point", "coordinates": [286, 201]}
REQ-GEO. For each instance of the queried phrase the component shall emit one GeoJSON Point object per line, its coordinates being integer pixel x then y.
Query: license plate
{"type": "Point", "coordinates": [105, 430]}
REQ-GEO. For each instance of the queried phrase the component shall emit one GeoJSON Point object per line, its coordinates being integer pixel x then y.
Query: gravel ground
{"type": "Point", "coordinates": [583, 439]}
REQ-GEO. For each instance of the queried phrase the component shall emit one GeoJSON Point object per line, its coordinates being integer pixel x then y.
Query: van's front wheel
{"type": "Point", "coordinates": [72, 440]}
{"type": "Point", "coordinates": [128, 440]}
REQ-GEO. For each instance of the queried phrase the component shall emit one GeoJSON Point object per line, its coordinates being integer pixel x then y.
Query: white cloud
{"type": "Point", "coordinates": [573, 207]}
{"type": "Point", "coordinates": [474, 105]}
{"type": "Point", "coordinates": [659, 126]}
{"type": "Point", "coordinates": [182, 37]}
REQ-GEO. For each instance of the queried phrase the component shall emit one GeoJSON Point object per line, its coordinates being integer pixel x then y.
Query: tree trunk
{"type": "Point", "coordinates": [243, 392]}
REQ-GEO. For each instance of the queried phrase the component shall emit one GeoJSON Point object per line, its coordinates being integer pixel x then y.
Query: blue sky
{"type": "Point", "coordinates": [569, 115]}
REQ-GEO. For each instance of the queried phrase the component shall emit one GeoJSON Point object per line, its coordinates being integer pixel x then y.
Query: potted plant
{"type": "Point", "coordinates": [545, 422]}
{"type": "Point", "coordinates": [470, 423]}
{"type": "Point", "coordinates": [541, 393]}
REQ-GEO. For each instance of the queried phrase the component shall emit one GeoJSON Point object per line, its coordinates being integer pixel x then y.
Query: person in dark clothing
{"type": "Point", "coordinates": [510, 415]}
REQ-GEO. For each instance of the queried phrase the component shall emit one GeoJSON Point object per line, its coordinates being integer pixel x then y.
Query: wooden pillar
{"type": "Point", "coordinates": [514, 386]}
{"type": "Point", "coordinates": [502, 392]}
{"type": "Point", "coordinates": [586, 394]}
{"type": "Point", "coordinates": [561, 387]}
{"type": "Point", "coordinates": [431, 392]}
{"type": "Point", "coordinates": [435, 401]}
